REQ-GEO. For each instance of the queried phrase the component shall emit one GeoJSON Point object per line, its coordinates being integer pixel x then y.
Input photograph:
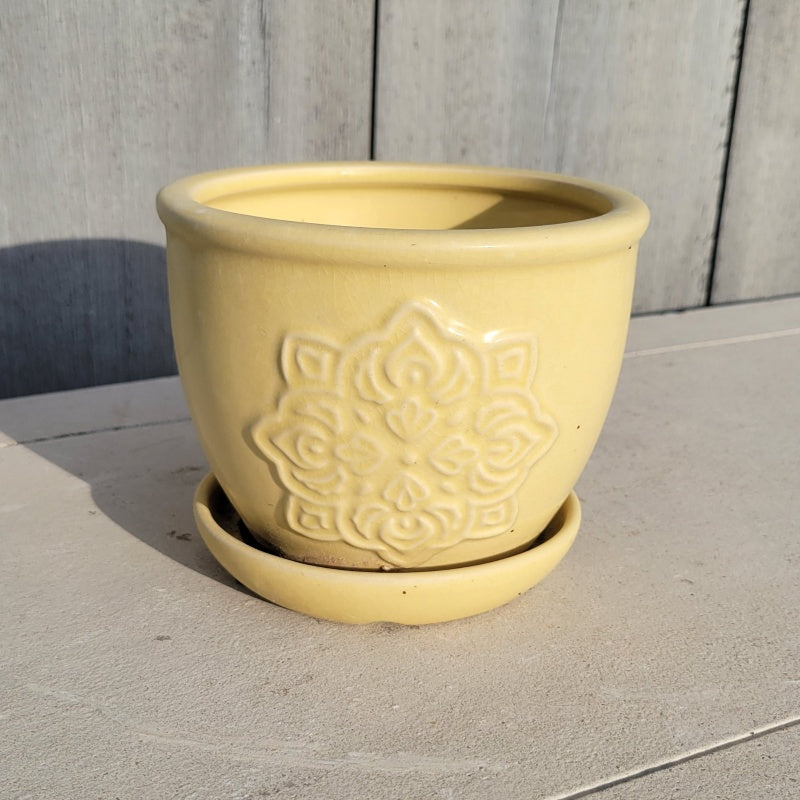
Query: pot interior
{"type": "Point", "coordinates": [411, 206]}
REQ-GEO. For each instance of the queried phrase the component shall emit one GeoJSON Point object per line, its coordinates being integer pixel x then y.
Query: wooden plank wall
{"type": "Point", "coordinates": [103, 101]}
{"type": "Point", "coordinates": [759, 245]}
{"type": "Point", "coordinates": [632, 93]}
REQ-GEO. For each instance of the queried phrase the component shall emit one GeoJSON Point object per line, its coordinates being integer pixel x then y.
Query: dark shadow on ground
{"type": "Point", "coordinates": [143, 479]}
{"type": "Point", "coordinates": [76, 313]}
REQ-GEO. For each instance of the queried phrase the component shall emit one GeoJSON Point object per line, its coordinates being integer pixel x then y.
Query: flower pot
{"type": "Point", "coordinates": [392, 366]}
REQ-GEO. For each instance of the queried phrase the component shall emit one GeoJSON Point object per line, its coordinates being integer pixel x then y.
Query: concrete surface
{"type": "Point", "coordinates": [661, 659]}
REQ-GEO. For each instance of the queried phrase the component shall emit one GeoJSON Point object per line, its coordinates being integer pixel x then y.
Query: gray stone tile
{"type": "Point", "coordinates": [25, 419]}
{"type": "Point", "coordinates": [762, 769]}
{"type": "Point", "coordinates": [710, 324]}
{"type": "Point", "coordinates": [131, 665]}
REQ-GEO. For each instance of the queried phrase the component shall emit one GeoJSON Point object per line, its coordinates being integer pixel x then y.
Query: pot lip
{"type": "Point", "coordinates": [620, 221]}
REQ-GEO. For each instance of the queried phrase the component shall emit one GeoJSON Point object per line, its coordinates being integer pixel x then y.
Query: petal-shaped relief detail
{"type": "Point", "coordinates": [408, 439]}
{"type": "Point", "coordinates": [309, 362]}
{"type": "Point", "coordinates": [453, 455]}
{"type": "Point", "coordinates": [512, 364]}
{"type": "Point", "coordinates": [361, 454]}
{"type": "Point", "coordinates": [395, 535]}
{"type": "Point", "coordinates": [365, 520]}
{"type": "Point", "coordinates": [459, 378]}
{"type": "Point", "coordinates": [495, 520]}
{"type": "Point", "coordinates": [405, 538]}
{"type": "Point", "coordinates": [405, 492]}
{"type": "Point", "coordinates": [319, 484]}
{"type": "Point", "coordinates": [500, 411]}
{"type": "Point", "coordinates": [516, 433]}
{"type": "Point", "coordinates": [510, 449]}
{"type": "Point", "coordinates": [312, 520]}
{"type": "Point", "coordinates": [455, 516]}
{"type": "Point", "coordinates": [320, 407]}
{"type": "Point", "coordinates": [483, 482]}
{"type": "Point", "coordinates": [408, 533]}
{"type": "Point", "coordinates": [306, 446]}
{"type": "Point", "coordinates": [368, 379]}
{"type": "Point", "coordinates": [415, 363]}
{"type": "Point", "coordinates": [411, 421]}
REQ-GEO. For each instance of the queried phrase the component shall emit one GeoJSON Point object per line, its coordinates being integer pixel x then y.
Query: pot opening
{"type": "Point", "coordinates": [412, 207]}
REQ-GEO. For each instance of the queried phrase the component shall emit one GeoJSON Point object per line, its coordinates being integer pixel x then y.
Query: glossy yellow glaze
{"type": "Point", "coordinates": [410, 598]}
{"type": "Point", "coordinates": [398, 366]}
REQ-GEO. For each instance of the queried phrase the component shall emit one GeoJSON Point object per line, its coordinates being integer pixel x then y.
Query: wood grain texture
{"type": "Point", "coordinates": [759, 248]}
{"type": "Point", "coordinates": [103, 103]}
{"type": "Point", "coordinates": [633, 93]}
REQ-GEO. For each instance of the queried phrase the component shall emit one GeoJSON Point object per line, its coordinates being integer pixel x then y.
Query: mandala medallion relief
{"type": "Point", "coordinates": [406, 440]}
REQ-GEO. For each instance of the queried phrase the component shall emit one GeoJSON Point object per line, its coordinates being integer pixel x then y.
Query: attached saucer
{"type": "Point", "coordinates": [410, 598]}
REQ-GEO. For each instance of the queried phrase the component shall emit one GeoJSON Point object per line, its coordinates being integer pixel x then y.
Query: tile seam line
{"type": "Point", "coordinates": [653, 351]}
{"type": "Point", "coordinates": [110, 429]}
{"type": "Point", "coordinates": [676, 348]}
{"type": "Point", "coordinates": [683, 758]}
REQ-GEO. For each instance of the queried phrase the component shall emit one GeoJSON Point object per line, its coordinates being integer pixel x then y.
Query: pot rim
{"type": "Point", "coordinates": [619, 222]}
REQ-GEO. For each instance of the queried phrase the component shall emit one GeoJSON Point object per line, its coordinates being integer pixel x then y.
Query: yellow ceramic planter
{"type": "Point", "coordinates": [396, 366]}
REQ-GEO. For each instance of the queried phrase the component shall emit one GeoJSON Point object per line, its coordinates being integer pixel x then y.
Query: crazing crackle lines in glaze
{"type": "Point", "coordinates": [406, 440]}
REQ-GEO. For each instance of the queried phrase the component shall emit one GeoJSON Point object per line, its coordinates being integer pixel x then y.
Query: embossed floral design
{"type": "Point", "coordinates": [408, 440]}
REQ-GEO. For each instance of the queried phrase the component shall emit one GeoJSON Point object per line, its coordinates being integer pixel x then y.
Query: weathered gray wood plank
{"type": "Point", "coordinates": [104, 102]}
{"type": "Point", "coordinates": [759, 247]}
{"type": "Point", "coordinates": [633, 93]}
